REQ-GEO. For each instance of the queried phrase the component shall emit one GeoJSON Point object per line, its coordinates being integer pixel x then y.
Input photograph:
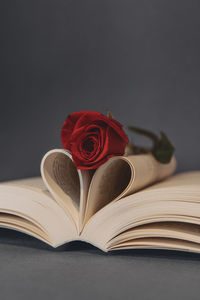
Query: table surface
{"type": "Point", "coordinates": [33, 270]}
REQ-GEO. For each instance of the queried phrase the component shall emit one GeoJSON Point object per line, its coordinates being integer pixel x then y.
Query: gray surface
{"type": "Point", "coordinates": [30, 270]}
{"type": "Point", "coordinates": [139, 58]}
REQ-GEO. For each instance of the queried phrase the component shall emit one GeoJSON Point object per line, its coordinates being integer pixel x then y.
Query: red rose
{"type": "Point", "coordinates": [92, 138]}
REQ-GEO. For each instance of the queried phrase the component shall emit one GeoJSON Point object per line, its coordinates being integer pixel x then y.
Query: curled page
{"type": "Point", "coordinates": [68, 186]}
{"type": "Point", "coordinates": [62, 180]}
{"type": "Point", "coordinates": [147, 170]}
{"type": "Point", "coordinates": [122, 176]}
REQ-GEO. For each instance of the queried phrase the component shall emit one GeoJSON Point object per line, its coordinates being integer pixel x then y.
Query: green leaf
{"type": "Point", "coordinates": [163, 150]}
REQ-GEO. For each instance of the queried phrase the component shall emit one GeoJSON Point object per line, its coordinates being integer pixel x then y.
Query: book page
{"type": "Point", "coordinates": [25, 205]}
{"type": "Point", "coordinates": [32, 183]}
{"type": "Point", "coordinates": [147, 170]}
{"type": "Point", "coordinates": [122, 176]}
{"type": "Point", "coordinates": [171, 230]}
{"type": "Point", "coordinates": [176, 199]}
{"type": "Point", "coordinates": [160, 243]}
{"type": "Point", "coordinates": [68, 186]}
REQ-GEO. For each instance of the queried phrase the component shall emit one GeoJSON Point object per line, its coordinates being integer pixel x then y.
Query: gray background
{"type": "Point", "coordinates": [140, 59]}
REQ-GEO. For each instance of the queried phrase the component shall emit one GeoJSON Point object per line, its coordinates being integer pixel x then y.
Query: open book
{"type": "Point", "coordinates": [128, 202]}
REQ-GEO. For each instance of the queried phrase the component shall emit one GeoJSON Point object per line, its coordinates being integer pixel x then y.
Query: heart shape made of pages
{"type": "Point", "coordinates": [81, 193]}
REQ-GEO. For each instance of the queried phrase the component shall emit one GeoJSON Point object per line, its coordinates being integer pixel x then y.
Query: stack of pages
{"type": "Point", "coordinates": [128, 202]}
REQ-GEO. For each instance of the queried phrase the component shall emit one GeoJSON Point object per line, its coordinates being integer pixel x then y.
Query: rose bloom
{"type": "Point", "coordinates": [92, 138]}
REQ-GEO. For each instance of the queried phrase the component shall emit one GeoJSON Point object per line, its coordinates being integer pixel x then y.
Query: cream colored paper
{"type": "Point", "coordinates": [121, 206]}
